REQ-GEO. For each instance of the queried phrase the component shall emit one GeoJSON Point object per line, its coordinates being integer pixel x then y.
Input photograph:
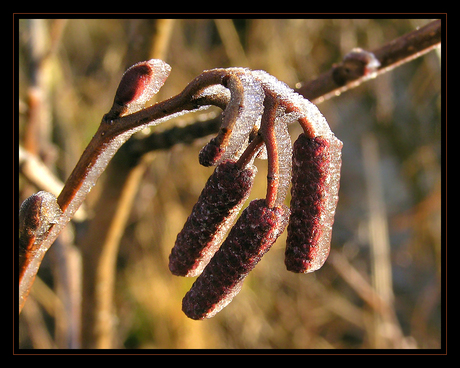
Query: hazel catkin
{"type": "Point", "coordinates": [250, 238]}
{"type": "Point", "coordinates": [215, 211]}
{"type": "Point", "coordinates": [315, 183]}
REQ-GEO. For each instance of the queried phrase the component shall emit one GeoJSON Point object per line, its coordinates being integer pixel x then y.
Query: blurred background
{"type": "Point", "coordinates": [381, 286]}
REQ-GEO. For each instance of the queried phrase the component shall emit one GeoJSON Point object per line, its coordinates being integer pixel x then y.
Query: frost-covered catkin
{"type": "Point", "coordinates": [315, 185]}
{"type": "Point", "coordinates": [215, 211]}
{"type": "Point", "coordinates": [251, 237]}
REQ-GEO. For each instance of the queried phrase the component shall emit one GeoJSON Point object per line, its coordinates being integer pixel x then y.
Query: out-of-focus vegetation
{"type": "Point", "coordinates": [380, 288]}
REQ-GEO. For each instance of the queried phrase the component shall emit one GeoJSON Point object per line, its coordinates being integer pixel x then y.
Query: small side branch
{"type": "Point", "coordinates": [393, 54]}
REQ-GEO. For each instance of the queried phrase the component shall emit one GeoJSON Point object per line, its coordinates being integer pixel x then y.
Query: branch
{"type": "Point", "coordinates": [350, 73]}
{"type": "Point", "coordinates": [257, 108]}
{"type": "Point", "coordinates": [43, 217]}
{"type": "Point", "coordinates": [393, 54]}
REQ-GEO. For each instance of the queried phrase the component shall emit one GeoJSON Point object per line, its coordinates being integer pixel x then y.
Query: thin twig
{"type": "Point", "coordinates": [106, 262]}
{"type": "Point", "coordinates": [393, 54]}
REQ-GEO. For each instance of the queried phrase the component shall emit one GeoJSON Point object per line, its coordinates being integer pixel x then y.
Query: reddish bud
{"type": "Point", "coordinates": [215, 211]}
{"type": "Point", "coordinates": [252, 236]}
{"type": "Point", "coordinates": [139, 84]}
{"type": "Point", "coordinates": [134, 83]}
{"type": "Point", "coordinates": [315, 184]}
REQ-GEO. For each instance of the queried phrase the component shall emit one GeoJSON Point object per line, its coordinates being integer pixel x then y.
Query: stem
{"type": "Point", "coordinates": [104, 282]}
{"type": "Point", "coordinates": [251, 150]}
{"type": "Point", "coordinates": [267, 130]}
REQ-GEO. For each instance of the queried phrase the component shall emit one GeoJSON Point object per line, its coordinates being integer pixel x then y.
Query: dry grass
{"type": "Point", "coordinates": [381, 287]}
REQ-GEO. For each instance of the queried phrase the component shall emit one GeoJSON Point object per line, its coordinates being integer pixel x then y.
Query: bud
{"type": "Point", "coordinates": [252, 236]}
{"type": "Point", "coordinates": [36, 215]}
{"type": "Point", "coordinates": [355, 64]}
{"type": "Point", "coordinates": [138, 85]}
{"type": "Point", "coordinates": [215, 211]}
{"type": "Point", "coordinates": [315, 184]}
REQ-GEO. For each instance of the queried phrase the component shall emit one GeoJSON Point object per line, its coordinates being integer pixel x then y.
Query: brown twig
{"type": "Point", "coordinates": [41, 176]}
{"type": "Point", "coordinates": [393, 54]}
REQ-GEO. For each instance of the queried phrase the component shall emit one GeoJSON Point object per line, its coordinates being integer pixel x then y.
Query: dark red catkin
{"type": "Point", "coordinates": [315, 184]}
{"type": "Point", "coordinates": [252, 236]}
{"type": "Point", "coordinates": [215, 211]}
